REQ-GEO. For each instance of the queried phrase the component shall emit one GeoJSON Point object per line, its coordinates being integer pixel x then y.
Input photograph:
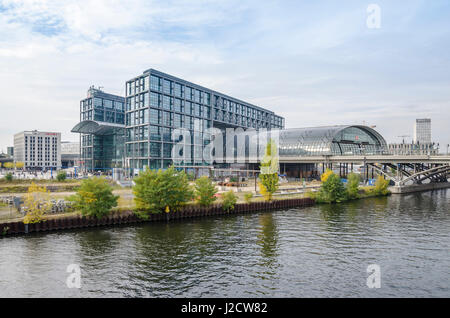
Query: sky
{"type": "Point", "coordinates": [315, 63]}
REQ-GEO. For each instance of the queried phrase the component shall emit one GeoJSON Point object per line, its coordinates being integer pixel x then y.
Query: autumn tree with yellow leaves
{"type": "Point", "coordinates": [37, 203]}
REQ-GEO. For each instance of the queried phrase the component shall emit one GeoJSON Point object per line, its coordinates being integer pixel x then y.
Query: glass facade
{"type": "Point", "coordinates": [102, 129]}
{"type": "Point", "coordinates": [158, 103]}
{"type": "Point", "coordinates": [332, 140]}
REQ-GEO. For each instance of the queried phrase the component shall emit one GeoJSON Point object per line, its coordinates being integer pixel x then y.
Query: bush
{"type": "Point", "coordinates": [248, 197]}
{"type": "Point", "coordinates": [324, 177]}
{"type": "Point", "coordinates": [229, 201]}
{"type": "Point", "coordinates": [61, 176]}
{"type": "Point", "coordinates": [269, 171]}
{"type": "Point", "coordinates": [268, 185]}
{"type": "Point", "coordinates": [159, 191]}
{"type": "Point", "coordinates": [205, 191]}
{"type": "Point", "coordinates": [381, 186]}
{"type": "Point", "coordinates": [94, 197]}
{"type": "Point", "coordinates": [9, 177]}
{"type": "Point", "coordinates": [353, 185]}
{"type": "Point", "coordinates": [37, 202]}
{"type": "Point", "coordinates": [332, 190]}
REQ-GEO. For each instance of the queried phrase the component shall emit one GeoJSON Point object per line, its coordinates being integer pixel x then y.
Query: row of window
{"type": "Point", "coordinates": [104, 116]}
{"type": "Point", "coordinates": [167, 87]}
{"type": "Point", "coordinates": [97, 102]}
{"type": "Point", "coordinates": [157, 133]}
{"type": "Point", "coordinates": [160, 150]}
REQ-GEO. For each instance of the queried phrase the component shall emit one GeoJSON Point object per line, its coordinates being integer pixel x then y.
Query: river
{"type": "Point", "coordinates": [322, 251]}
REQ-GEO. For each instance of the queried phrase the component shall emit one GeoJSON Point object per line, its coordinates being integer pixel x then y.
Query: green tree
{"type": "Point", "coordinates": [353, 185]}
{"type": "Point", "coordinates": [229, 200]}
{"type": "Point", "coordinates": [205, 191]}
{"type": "Point", "coordinates": [61, 176]}
{"type": "Point", "coordinates": [268, 184]}
{"type": "Point", "coordinates": [161, 191]}
{"type": "Point", "coordinates": [332, 190]}
{"type": "Point", "coordinates": [94, 197]}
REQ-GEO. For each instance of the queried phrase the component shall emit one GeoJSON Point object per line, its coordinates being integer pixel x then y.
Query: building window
{"type": "Point", "coordinates": [155, 83]}
{"type": "Point", "coordinates": [155, 133]}
{"type": "Point", "coordinates": [155, 149]}
{"type": "Point", "coordinates": [155, 116]}
{"type": "Point", "coordinates": [154, 99]}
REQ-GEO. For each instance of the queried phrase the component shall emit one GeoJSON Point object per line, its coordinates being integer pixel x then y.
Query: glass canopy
{"type": "Point", "coordinates": [331, 140]}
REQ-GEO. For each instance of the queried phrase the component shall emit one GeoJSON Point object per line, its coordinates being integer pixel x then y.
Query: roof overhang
{"type": "Point", "coordinates": [96, 128]}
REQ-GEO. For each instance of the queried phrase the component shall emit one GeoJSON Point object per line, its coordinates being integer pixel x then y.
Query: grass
{"type": "Point", "coordinates": [37, 181]}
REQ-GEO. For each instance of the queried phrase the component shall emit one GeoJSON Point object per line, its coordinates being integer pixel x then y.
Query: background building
{"type": "Point", "coordinates": [422, 131]}
{"type": "Point", "coordinates": [414, 149]}
{"type": "Point", "coordinates": [38, 150]}
{"type": "Point", "coordinates": [70, 154]}
{"type": "Point", "coordinates": [10, 151]}
{"type": "Point", "coordinates": [101, 128]}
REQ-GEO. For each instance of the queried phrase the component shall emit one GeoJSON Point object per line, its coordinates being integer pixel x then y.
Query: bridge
{"type": "Point", "coordinates": [401, 169]}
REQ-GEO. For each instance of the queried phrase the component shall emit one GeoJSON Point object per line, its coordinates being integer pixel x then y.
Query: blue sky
{"type": "Point", "coordinates": [313, 62]}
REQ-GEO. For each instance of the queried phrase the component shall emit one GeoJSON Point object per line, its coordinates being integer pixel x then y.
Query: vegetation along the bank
{"type": "Point", "coordinates": [333, 190]}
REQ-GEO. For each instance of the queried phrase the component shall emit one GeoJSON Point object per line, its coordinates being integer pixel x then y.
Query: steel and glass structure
{"type": "Point", "coordinates": [158, 103]}
{"type": "Point", "coordinates": [102, 130]}
{"type": "Point", "coordinates": [331, 140]}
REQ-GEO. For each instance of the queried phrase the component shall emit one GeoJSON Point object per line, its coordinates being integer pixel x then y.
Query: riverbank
{"type": "Point", "coordinates": [419, 188]}
{"type": "Point", "coordinates": [129, 217]}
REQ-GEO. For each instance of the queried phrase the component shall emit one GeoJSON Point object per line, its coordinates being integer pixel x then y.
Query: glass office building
{"type": "Point", "coordinates": [158, 103]}
{"type": "Point", "coordinates": [102, 130]}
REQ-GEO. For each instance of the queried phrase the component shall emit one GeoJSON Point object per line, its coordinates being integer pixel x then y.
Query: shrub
{"type": "Point", "coordinates": [332, 190]}
{"type": "Point", "coordinates": [94, 197]}
{"type": "Point", "coordinates": [205, 191]}
{"type": "Point", "coordinates": [159, 191]}
{"type": "Point", "coordinates": [37, 202]}
{"type": "Point", "coordinates": [324, 177]}
{"type": "Point", "coordinates": [9, 177]}
{"type": "Point", "coordinates": [229, 201]}
{"type": "Point", "coordinates": [19, 165]}
{"type": "Point", "coordinates": [353, 185]}
{"type": "Point", "coordinates": [61, 176]}
{"type": "Point", "coordinates": [381, 186]}
{"type": "Point", "coordinates": [248, 197]}
{"type": "Point", "coordinates": [268, 185]}
{"type": "Point", "coordinates": [269, 171]}
{"type": "Point", "coordinates": [8, 165]}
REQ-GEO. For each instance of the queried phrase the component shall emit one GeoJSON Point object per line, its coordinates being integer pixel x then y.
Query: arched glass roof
{"type": "Point", "coordinates": [96, 128]}
{"type": "Point", "coordinates": [331, 140]}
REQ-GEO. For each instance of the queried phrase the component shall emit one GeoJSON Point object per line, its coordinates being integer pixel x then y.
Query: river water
{"type": "Point", "coordinates": [322, 251]}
